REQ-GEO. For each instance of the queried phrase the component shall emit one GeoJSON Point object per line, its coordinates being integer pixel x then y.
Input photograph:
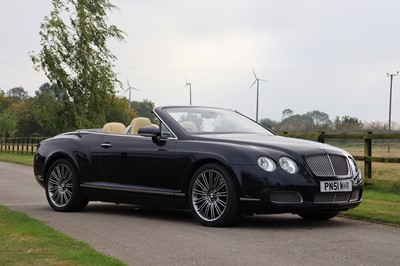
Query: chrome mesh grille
{"type": "Point", "coordinates": [331, 197]}
{"type": "Point", "coordinates": [328, 165]}
{"type": "Point", "coordinates": [285, 197]}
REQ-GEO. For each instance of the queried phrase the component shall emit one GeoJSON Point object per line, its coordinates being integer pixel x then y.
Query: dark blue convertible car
{"type": "Point", "coordinates": [216, 162]}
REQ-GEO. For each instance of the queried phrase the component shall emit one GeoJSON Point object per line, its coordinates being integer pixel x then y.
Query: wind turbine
{"type": "Point", "coordinates": [130, 90]}
{"type": "Point", "coordinates": [190, 90]}
{"type": "Point", "coordinates": [258, 90]}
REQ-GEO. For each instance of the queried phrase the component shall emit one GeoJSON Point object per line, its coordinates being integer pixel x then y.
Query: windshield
{"type": "Point", "coordinates": [202, 120]}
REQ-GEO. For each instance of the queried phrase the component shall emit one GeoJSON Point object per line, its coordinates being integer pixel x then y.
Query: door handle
{"type": "Point", "coordinates": [106, 145]}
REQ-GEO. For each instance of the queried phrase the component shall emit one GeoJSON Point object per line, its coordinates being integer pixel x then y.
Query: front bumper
{"type": "Point", "coordinates": [280, 192]}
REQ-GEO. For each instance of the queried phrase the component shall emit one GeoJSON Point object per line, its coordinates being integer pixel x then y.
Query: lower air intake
{"type": "Point", "coordinates": [331, 197]}
{"type": "Point", "coordinates": [285, 197]}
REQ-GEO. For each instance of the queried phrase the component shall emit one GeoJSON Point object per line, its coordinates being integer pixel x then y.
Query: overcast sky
{"type": "Point", "coordinates": [326, 55]}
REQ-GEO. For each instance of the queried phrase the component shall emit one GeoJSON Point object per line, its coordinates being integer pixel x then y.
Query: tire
{"type": "Point", "coordinates": [213, 196]}
{"type": "Point", "coordinates": [62, 188]}
{"type": "Point", "coordinates": [318, 216]}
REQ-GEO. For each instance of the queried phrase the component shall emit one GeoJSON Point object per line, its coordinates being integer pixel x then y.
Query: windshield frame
{"type": "Point", "coordinates": [210, 115]}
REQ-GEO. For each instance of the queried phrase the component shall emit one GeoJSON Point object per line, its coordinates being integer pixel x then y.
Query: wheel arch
{"type": "Point", "coordinates": [203, 162]}
{"type": "Point", "coordinates": [58, 156]}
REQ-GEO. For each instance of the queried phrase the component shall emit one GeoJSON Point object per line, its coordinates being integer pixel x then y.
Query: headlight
{"type": "Point", "coordinates": [266, 164]}
{"type": "Point", "coordinates": [288, 165]}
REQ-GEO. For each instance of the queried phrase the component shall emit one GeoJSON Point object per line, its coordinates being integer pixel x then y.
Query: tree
{"type": "Point", "coordinates": [5, 102]}
{"type": "Point", "coordinates": [8, 124]}
{"type": "Point", "coordinates": [119, 111]}
{"type": "Point", "coordinates": [27, 124]}
{"type": "Point", "coordinates": [286, 113]}
{"type": "Point", "coordinates": [297, 123]}
{"type": "Point", "coordinates": [321, 120]}
{"type": "Point", "coordinates": [347, 123]}
{"type": "Point", "coordinates": [144, 109]}
{"type": "Point", "coordinates": [50, 114]}
{"type": "Point", "coordinates": [269, 123]}
{"type": "Point", "coordinates": [75, 56]}
{"type": "Point", "coordinates": [17, 94]}
{"type": "Point", "coordinates": [54, 90]}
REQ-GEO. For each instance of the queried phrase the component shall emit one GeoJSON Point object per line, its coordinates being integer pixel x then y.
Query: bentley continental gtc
{"type": "Point", "coordinates": [215, 162]}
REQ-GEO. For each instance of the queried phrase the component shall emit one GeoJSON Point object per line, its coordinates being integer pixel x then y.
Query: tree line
{"type": "Point", "coordinates": [46, 114]}
{"type": "Point", "coordinates": [318, 121]}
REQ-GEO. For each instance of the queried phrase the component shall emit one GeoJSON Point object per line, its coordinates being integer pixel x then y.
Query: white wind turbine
{"type": "Point", "coordinates": [257, 81]}
{"type": "Point", "coordinates": [130, 91]}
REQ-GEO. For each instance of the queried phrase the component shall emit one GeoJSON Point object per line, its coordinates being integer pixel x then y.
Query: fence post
{"type": "Point", "coordinates": [321, 137]}
{"type": "Point", "coordinates": [367, 153]}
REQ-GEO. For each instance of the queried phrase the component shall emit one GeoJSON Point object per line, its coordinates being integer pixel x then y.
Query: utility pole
{"type": "Point", "coordinates": [390, 102]}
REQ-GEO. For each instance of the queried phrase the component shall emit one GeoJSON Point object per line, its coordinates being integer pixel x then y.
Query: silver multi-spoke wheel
{"type": "Point", "coordinates": [213, 196]}
{"type": "Point", "coordinates": [60, 185]}
{"type": "Point", "coordinates": [210, 195]}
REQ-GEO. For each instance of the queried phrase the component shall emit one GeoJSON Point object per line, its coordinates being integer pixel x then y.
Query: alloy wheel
{"type": "Point", "coordinates": [210, 195]}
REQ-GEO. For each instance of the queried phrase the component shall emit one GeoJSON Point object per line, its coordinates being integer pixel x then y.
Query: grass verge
{"type": "Point", "coordinates": [25, 241]}
{"type": "Point", "coordinates": [381, 202]}
{"type": "Point", "coordinates": [18, 158]}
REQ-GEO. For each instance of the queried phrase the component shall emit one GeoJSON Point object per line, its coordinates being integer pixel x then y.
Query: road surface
{"type": "Point", "coordinates": [170, 237]}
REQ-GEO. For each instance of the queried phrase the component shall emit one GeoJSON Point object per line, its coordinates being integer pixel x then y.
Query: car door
{"type": "Point", "coordinates": [135, 163]}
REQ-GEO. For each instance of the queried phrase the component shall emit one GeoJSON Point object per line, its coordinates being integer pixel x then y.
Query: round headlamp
{"type": "Point", "coordinates": [266, 164]}
{"type": "Point", "coordinates": [288, 165]}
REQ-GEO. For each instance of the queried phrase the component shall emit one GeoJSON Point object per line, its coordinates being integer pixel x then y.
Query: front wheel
{"type": "Point", "coordinates": [62, 188]}
{"type": "Point", "coordinates": [318, 216]}
{"type": "Point", "coordinates": [213, 196]}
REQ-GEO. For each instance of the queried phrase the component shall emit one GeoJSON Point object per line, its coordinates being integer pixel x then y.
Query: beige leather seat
{"type": "Point", "coordinates": [139, 122]}
{"type": "Point", "coordinates": [189, 126]}
{"type": "Point", "coordinates": [114, 128]}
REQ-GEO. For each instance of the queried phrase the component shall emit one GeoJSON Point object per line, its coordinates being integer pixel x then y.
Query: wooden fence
{"type": "Point", "coordinates": [29, 145]}
{"type": "Point", "coordinates": [20, 145]}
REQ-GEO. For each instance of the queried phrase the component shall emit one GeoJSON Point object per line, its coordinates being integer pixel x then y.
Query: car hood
{"type": "Point", "coordinates": [284, 144]}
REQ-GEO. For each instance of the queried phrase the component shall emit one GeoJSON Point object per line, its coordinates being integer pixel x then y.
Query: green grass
{"type": "Point", "coordinates": [381, 202]}
{"type": "Point", "coordinates": [25, 241]}
{"type": "Point", "coordinates": [18, 158]}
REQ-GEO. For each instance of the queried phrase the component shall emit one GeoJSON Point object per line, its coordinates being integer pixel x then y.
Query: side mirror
{"type": "Point", "coordinates": [154, 133]}
{"type": "Point", "coordinates": [149, 131]}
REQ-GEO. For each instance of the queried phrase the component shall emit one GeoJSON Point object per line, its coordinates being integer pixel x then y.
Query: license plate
{"type": "Point", "coordinates": [336, 186]}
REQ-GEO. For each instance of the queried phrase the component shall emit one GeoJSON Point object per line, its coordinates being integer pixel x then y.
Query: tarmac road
{"type": "Point", "coordinates": [169, 237]}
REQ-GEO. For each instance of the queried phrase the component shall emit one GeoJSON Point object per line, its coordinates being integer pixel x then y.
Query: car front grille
{"type": "Point", "coordinates": [328, 165]}
{"type": "Point", "coordinates": [285, 197]}
{"type": "Point", "coordinates": [332, 197]}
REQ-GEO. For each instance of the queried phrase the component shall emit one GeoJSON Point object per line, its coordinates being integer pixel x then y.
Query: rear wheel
{"type": "Point", "coordinates": [62, 188]}
{"type": "Point", "coordinates": [213, 196]}
{"type": "Point", "coordinates": [318, 216]}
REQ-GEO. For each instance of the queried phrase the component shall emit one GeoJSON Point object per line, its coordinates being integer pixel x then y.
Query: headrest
{"type": "Point", "coordinates": [137, 123]}
{"type": "Point", "coordinates": [114, 128]}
